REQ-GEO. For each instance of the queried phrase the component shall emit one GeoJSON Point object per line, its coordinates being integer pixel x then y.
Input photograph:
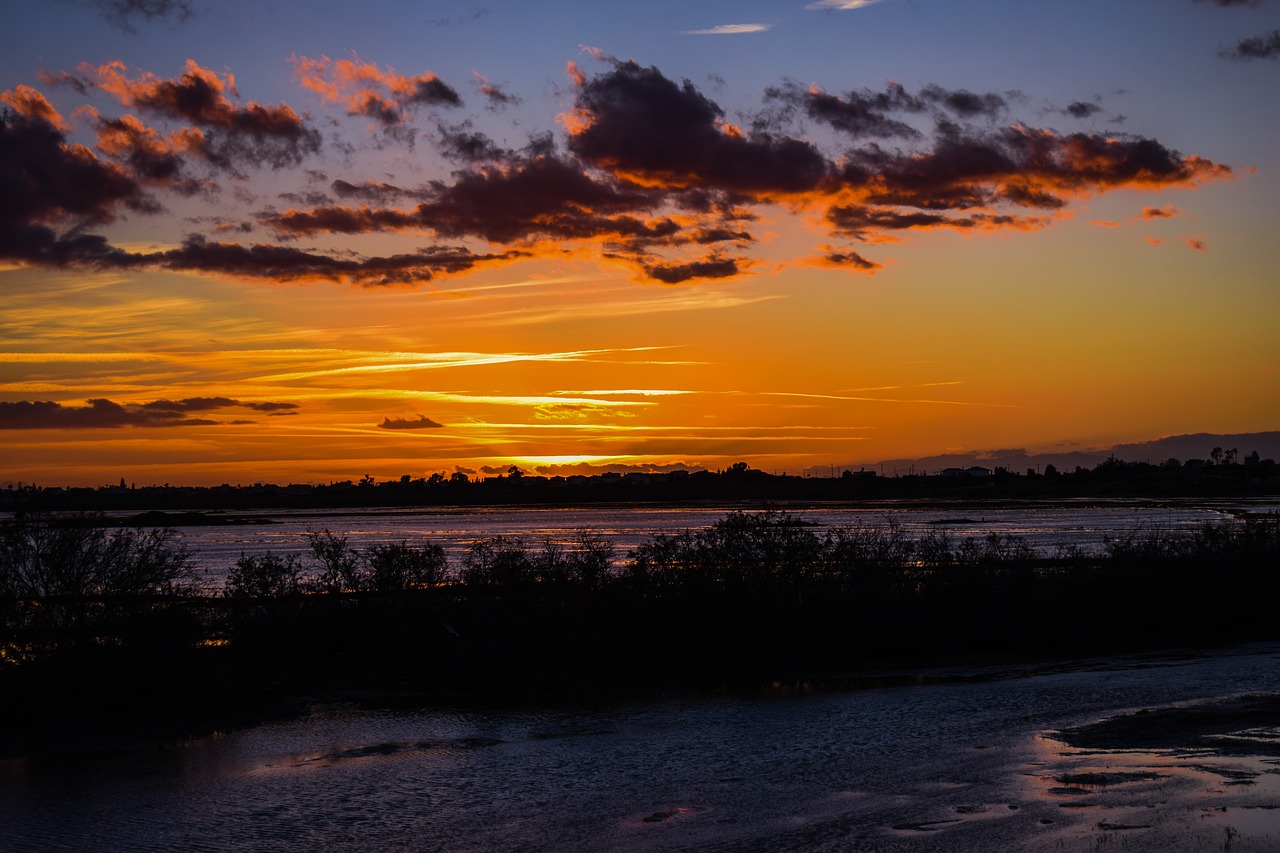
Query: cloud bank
{"type": "Point", "coordinates": [106, 414]}
{"type": "Point", "coordinates": [647, 172]}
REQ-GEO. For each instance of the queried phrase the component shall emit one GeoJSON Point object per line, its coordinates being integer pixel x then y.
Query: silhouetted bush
{"type": "Point", "coordinates": [751, 596]}
{"type": "Point", "coordinates": [396, 567]}
{"type": "Point", "coordinates": [264, 576]}
{"type": "Point", "coordinates": [65, 583]}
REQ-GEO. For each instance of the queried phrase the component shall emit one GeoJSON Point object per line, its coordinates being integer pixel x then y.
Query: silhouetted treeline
{"type": "Point", "coordinates": [1223, 474]}
{"type": "Point", "coordinates": [113, 618]}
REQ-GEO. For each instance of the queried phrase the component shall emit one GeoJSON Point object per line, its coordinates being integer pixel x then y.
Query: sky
{"type": "Point", "coordinates": [309, 242]}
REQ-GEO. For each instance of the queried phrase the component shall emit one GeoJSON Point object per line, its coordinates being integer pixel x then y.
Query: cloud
{"type": "Point", "coordinates": [843, 259]}
{"type": "Point", "coordinates": [1166, 212]}
{"type": "Point", "coordinates": [48, 182]}
{"type": "Point", "coordinates": [365, 89]}
{"type": "Point", "coordinates": [648, 174]}
{"type": "Point", "coordinates": [707, 268]}
{"type": "Point", "coordinates": [370, 191]}
{"type": "Point", "coordinates": [859, 114]}
{"type": "Point", "coordinates": [1196, 243]}
{"type": "Point", "coordinates": [639, 125]}
{"type": "Point", "coordinates": [282, 263]}
{"type": "Point", "coordinates": [105, 414]}
{"type": "Point", "coordinates": [1229, 4]}
{"type": "Point", "coordinates": [496, 95]}
{"type": "Point", "coordinates": [123, 13]}
{"type": "Point", "coordinates": [225, 134]}
{"type": "Point", "coordinates": [1265, 46]}
{"type": "Point", "coordinates": [1082, 109]}
{"type": "Point", "coordinates": [420, 422]}
{"type": "Point", "coordinates": [728, 30]}
{"type": "Point", "coordinates": [964, 103]}
{"type": "Point", "coordinates": [31, 103]}
{"type": "Point", "coordinates": [149, 156]}
{"type": "Point", "coordinates": [476, 13]}
{"type": "Point", "coordinates": [841, 5]}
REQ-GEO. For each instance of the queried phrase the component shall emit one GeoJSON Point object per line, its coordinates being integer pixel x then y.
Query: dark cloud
{"type": "Point", "coordinates": [271, 406]}
{"type": "Point", "coordinates": [98, 414]}
{"type": "Point", "coordinates": [462, 144]}
{"type": "Point", "coordinates": [677, 273]}
{"type": "Point", "coordinates": [365, 89]}
{"type": "Point", "coordinates": [496, 95]}
{"type": "Point", "coordinates": [151, 158]}
{"type": "Point", "coordinates": [1229, 4]}
{"type": "Point", "coordinates": [635, 122]}
{"type": "Point", "coordinates": [650, 174]}
{"type": "Point", "coordinates": [190, 404]}
{"type": "Point", "coordinates": [45, 181]}
{"type": "Point", "coordinates": [372, 191]}
{"type": "Point", "coordinates": [964, 103]}
{"type": "Point", "coordinates": [1082, 109]}
{"type": "Point", "coordinates": [476, 13]}
{"type": "Point", "coordinates": [848, 259]}
{"type": "Point", "coordinates": [858, 114]}
{"type": "Point", "coordinates": [229, 135]}
{"type": "Point", "coordinates": [208, 404]}
{"type": "Point", "coordinates": [124, 13]}
{"type": "Point", "coordinates": [507, 203]}
{"type": "Point", "coordinates": [863, 222]}
{"type": "Point", "coordinates": [434, 91]}
{"type": "Point", "coordinates": [1265, 46]}
{"type": "Point", "coordinates": [1022, 166]}
{"type": "Point", "coordinates": [420, 422]}
{"type": "Point", "coordinates": [282, 263]}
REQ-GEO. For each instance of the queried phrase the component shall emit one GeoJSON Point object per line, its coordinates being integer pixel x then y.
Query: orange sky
{"type": "Point", "coordinates": [331, 267]}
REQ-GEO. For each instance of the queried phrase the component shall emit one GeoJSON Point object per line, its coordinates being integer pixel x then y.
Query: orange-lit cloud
{"type": "Point", "coordinates": [364, 89]}
{"type": "Point", "coordinates": [1166, 212]}
{"type": "Point", "coordinates": [236, 135]}
{"type": "Point", "coordinates": [649, 175]}
{"type": "Point", "coordinates": [1195, 243]}
{"type": "Point", "coordinates": [29, 102]}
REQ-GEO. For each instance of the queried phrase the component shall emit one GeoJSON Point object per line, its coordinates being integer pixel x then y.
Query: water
{"type": "Point", "coordinates": [1083, 523]}
{"type": "Point", "coordinates": [938, 767]}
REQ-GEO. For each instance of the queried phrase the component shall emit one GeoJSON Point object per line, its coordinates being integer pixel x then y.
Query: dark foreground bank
{"type": "Point", "coordinates": [103, 626]}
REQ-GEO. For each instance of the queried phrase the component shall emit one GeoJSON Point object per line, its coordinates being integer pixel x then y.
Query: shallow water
{"type": "Point", "coordinates": [1083, 523]}
{"type": "Point", "coordinates": [956, 766]}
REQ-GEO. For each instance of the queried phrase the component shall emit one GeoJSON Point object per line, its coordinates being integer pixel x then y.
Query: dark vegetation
{"type": "Point", "coordinates": [1225, 473]}
{"type": "Point", "coordinates": [95, 621]}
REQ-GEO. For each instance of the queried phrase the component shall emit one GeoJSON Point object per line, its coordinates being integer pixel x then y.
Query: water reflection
{"type": "Point", "coordinates": [1081, 523]}
{"type": "Point", "coordinates": [940, 767]}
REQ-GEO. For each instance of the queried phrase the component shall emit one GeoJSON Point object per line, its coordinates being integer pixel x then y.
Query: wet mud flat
{"type": "Point", "coordinates": [1195, 776]}
{"type": "Point", "coordinates": [1147, 753]}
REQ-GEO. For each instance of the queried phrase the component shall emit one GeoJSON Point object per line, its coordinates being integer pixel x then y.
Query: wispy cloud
{"type": "Point", "coordinates": [400, 362]}
{"type": "Point", "coordinates": [1266, 46]}
{"type": "Point", "coordinates": [841, 5]}
{"type": "Point", "coordinates": [728, 30]}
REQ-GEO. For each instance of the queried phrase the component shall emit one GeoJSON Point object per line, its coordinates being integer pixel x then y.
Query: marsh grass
{"type": "Point", "coordinates": [753, 597]}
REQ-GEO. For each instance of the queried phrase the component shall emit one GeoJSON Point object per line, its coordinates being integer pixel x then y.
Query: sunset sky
{"type": "Point", "coordinates": [305, 242]}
